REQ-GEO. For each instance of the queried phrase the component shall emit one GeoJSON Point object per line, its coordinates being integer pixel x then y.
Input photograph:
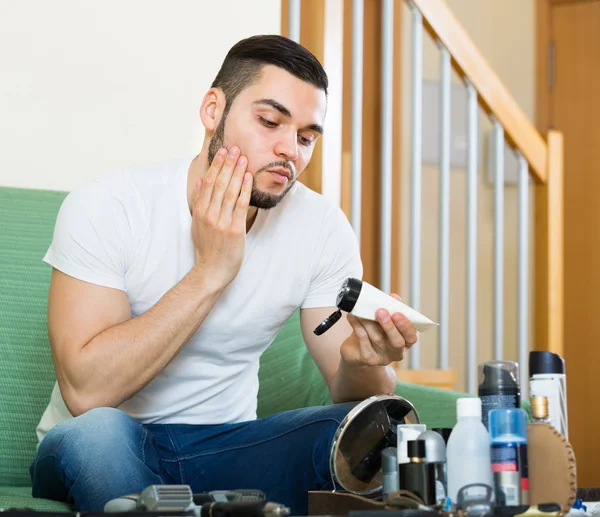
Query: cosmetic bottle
{"type": "Point", "coordinates": [418, 476]}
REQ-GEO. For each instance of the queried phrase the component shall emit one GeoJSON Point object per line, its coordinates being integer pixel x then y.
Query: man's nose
{"type": "Point", "coordinates": [287, 148]}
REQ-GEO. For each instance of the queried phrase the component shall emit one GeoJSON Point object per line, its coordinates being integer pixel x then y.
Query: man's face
{"type": "Point", "coordinates": [275, 123]}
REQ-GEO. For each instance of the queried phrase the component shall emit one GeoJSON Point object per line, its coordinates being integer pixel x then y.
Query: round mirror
{"type": "Point", "coordinates": [370, 427]}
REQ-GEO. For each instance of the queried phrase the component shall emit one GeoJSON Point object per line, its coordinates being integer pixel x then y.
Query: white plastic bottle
{"type": "Point", "coordinates": [468, 451]}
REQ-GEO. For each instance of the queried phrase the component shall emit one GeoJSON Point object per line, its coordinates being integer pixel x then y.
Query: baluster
{"type": "Point", "coordinates": [523, 275]}
{"type": "Point", "coordinates": [387, 99]}
{"type": "Point", "coordinates": [444, 243]}
{"type": "Point", "coordinates": [416, 157]}
{"type": "Point", "coordinates": [357, 99]}
{"type": "Point", "coordinates": [472, 157]}
{"type": "Point", "coordinates": [294, 20]}
{"type": "Point", "coordinates": [498, 240]}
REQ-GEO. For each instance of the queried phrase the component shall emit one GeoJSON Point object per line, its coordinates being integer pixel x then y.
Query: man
{"type": "Point", "coordinates": [169, 282]}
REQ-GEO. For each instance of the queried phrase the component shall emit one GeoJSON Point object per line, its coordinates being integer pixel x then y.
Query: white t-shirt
{"type": "Point", "coordinates": [131, 230]}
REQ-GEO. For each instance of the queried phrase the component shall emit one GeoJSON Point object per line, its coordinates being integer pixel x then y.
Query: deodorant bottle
{"type": "Point", "coordinates": [435, 454]}
{"type": "Point", "coordinates": [547, 379]}
{"type": "Point", "coordinates": [498, 387]}
{"type": "Point", "coordinates": [508, 431]}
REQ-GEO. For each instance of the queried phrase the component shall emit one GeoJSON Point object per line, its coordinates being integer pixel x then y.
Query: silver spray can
{"type": "Point", "coordinates": [435, 453]}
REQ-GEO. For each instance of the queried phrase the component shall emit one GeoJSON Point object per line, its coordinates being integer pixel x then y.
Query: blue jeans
{"type": "Point", "coordinates": [105, 453]}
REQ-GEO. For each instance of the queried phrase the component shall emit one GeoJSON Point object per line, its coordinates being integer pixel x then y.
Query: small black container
{"type": "Point", "coordinates": [418, 476]}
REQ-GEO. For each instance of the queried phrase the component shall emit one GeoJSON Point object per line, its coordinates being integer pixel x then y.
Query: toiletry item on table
{"type": "Point", "coordinates": [444, 432]}
{"type": "Point", "coordinates": [540, 412]}
{"type": "Point", "coordinates": [435, 453]}
{"type": "Point", "coordinates": [547, 378]}
{"type": "Point", "coordinates": [389, 471]}
{"type": "Point", "coordinates": [404, 433]}
{"type": "Point", "coordinates": [418, 476]}
{"type": "Point", "coordinates": [468, 452]}
{"type": "Point", "coordinates": [498, 387]}
{"type": "Point", "coordinates": [508, 432]}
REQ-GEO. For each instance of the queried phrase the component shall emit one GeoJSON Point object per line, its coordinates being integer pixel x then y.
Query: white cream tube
{"type": "Point", "coordinates": [371, 299]}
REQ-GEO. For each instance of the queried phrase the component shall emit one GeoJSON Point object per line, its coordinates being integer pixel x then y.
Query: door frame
{"type": "Point", "coordinates": [543, 39]}
{"type": "Point", "coordinates": [543, 35]}
{"type": "Point", "coordinates": [544, 118]}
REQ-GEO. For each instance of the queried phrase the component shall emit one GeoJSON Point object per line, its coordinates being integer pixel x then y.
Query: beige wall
{"type": "Point", "coordinates": [90, 86]}
{"type": "Point", "coordinates": [123, 85]}
{"type": "Point", "coordinates": [504, 33]}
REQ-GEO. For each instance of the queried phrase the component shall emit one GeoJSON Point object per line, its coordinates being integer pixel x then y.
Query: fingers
{"type": "Point", "coordinates": [372, 342]}
{"type": "Point", "coordinates": [243, 202]}
{"type": "Point", "coordinates": [197, 191]}
{"type": "Point", "coordinates": [221, 184]}
{"type": "Point", "coordinates": [382, 341]}
{"type": "Point", "coordinates": [404, 326]}
{"type": "Point", "coordinates": [208, 182]}
{"type": "Point", "coordinates": [365, 349]}
{"type": "Point", "coordinates": [394, 338]}
{"type": "Point", "coordinates": [232, 194]}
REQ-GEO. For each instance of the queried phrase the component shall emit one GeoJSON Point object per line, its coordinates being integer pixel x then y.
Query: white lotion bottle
{"type": "Point", "coordinates": [363, 300]}
{"type": "Point", "coordinates": [468, 453]}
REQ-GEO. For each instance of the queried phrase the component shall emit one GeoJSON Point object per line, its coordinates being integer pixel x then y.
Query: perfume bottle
{"type": "Point", "coordinates": [418, 476]}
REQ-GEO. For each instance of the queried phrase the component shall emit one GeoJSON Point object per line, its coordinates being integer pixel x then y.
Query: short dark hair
{"type": "Point", "coordinates": [244, 62]}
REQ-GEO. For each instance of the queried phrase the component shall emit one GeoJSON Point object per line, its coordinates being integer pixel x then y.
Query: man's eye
{"type": "Point", "coordinates": [304, 141]}
{"type": "Point", "coordinates": [266, 122]}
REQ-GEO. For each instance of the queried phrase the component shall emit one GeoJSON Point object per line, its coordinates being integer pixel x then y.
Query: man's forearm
{"type": "Point", "coordinates": [120, 361]}
{"type": "Point", "coordinates": [351, 383]}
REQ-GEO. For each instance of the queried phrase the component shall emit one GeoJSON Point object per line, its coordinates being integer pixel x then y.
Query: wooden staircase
{"type": "Point", "coordinates": [320, 30]}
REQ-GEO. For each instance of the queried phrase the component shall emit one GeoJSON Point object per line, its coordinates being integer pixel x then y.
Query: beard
{"type": "Point", "coordinates": [258, 198]}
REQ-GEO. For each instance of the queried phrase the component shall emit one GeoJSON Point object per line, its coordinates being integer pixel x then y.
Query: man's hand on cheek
{"type": "Point", "coordinates": [219, 212]}
{"type": "Point", "coordinates": [378, 343]}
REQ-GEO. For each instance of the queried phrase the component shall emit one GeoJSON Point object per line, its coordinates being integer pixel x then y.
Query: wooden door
{"type": "Point", "coordinates": [570, 102]}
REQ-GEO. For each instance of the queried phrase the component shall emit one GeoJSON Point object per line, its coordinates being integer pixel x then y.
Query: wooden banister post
{"type": "Point", "coordinates": [549, 252]}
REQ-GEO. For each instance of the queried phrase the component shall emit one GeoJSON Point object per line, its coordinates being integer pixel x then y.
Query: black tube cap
{"type": "Point", "coordinates": [545, 362]}
{"type": "Point", "coordinates": [348, 294]}
{"type": "Point", "coordinates": [415, 449]}
{"type": "Point", "coordinates": [327, 323]}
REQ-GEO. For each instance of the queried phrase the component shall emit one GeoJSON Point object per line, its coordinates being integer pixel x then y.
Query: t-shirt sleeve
{"type": "Point", "coordinates": [92, 238]}
{"type": "Point", "coordinates": [338, 259]}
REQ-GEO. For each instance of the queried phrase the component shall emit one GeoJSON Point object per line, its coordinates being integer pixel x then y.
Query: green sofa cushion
{"type": "Point", "coordinates": [20, 497]}
{"type": "Point", "coordinates": [26, 373]}
{"type": "Point", "coordinates": [288, 376]}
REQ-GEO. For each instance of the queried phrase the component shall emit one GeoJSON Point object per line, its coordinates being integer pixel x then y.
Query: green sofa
{"type": "Point", "coordinates": [288, 376]}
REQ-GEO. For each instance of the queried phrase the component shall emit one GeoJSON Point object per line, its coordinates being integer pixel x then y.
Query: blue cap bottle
{"type": "Point", "coordinates": [508, 432]}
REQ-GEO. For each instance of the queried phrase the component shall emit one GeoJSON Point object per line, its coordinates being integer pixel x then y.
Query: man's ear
{"type": "Point", "coordinates": [211, 109]}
